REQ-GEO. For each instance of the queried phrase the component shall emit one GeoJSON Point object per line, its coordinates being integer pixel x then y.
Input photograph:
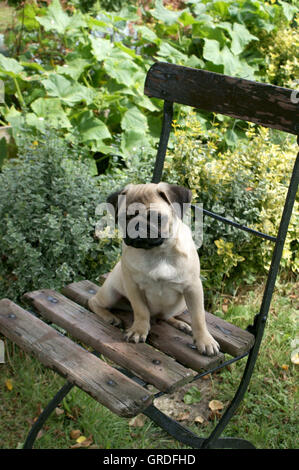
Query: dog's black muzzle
{"type": "Point", "coordinates": [147, 231]}
{"type": "Point", "coordinates": [145, 243]}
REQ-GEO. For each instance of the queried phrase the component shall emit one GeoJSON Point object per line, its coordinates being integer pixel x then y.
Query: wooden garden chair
{"type": "Point", "coordinates": [168, 359]}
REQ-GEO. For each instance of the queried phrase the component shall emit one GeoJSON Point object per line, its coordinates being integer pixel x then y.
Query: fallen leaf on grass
{"type": "Point", "coordinates": [183, 416]}
{"type": "Point", "coordinates": [138, 421]}
{"type": "Point", "coordinates": [216, 405]}
{"type": "Point", "coordinates": [75, 433]}
{"type": "Point", "coordinates": [295, 357]}
{"type": "Point", "coordinates": [199, 419]}
{"type": "Point", "coordinates": [9, 385]}
{"type": "Point", "coordinates": [59, 411]}
{"type": "Point", "coordinates": [82, 441]}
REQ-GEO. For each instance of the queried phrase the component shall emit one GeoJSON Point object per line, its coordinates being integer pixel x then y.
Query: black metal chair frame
{"type": "Point", "coordinates": [163, 81]}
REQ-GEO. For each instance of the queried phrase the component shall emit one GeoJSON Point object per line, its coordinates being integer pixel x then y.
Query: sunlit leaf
{"type": "Point", "coordinates": [67, 90]}
{"type": "Point", "coordinates": [216, 405]}
{"type": "Point", "coordinates": [9, 385]}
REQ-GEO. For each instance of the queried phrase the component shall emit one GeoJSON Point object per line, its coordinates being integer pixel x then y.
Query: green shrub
{"type": "Point", "coordinates": [84, 72]}
{"type": "Point", "coordinates": [282, 63]}
{"type": "Point", "coordinates": [247, 184]}
{"type": "Point", "coordinates": [47, 209]}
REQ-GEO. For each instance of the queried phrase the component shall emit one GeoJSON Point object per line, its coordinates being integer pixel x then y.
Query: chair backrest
{"type": "Point", "coordinates": [264, 104]}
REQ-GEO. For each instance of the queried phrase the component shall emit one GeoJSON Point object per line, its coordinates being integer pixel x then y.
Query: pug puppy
{"type": "Point", "coordinates": [159, 271]}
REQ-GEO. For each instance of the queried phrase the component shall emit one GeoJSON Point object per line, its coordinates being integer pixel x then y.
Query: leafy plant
{"type": "Point", "coordinates": [48, 213]}
{"type": "Point", "coordinates": [192, 396]}
{"type": "Point", "coordinates": [247, 184]}
{"type": "Point", "coordinates": [85, 74]}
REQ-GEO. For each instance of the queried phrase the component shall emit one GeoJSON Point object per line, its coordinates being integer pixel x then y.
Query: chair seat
{"type": "Point", "coordinates": [167, 360]}
{"type": "Point", "coordinates": [82, 368]}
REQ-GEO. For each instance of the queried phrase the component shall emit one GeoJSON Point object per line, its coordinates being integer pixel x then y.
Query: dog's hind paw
{"type": "Point", "coordinates": [180, 325]}
{"type": "Point", "coordinates": [104, 314]}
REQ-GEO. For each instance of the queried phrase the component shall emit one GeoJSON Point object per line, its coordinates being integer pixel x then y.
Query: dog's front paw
{"type": "Point", "coordinates": [137, 333]}
{"type": "Point", "coordinates": [206, 344]}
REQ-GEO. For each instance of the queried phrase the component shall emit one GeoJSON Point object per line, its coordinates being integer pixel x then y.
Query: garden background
{"type": "Point", "coordinates": [76, 125]}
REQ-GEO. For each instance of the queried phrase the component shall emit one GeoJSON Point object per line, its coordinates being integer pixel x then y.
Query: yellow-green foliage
{"type": "Point", "coordinates": [281, 55]}
{"type": "Point", "coordinates": [247, 184]}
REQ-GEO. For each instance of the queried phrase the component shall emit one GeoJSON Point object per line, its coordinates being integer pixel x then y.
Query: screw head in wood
{"type": "Point", "coordinates": [52, 299]}
{"type": "Point", "coordinates": [111, 383]}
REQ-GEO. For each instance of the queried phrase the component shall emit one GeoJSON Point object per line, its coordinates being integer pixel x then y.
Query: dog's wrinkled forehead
{"type": "Point", "coordinates": [149, 194]}
{"type": "Point", "coordinates": [141, 193]}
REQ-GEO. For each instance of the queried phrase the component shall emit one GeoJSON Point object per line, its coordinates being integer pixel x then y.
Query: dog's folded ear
{"type": "Point", "coordinates": [113, 198]}
{"type": "Point", "coordinates": [177, 196]}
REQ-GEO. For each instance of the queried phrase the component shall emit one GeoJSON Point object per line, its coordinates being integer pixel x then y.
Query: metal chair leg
{"type": "Point", "coordinates": [45, 414]}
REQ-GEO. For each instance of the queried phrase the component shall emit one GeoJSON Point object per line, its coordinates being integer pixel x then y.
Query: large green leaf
{"type": "Point", "coordinates": [89, 128]}
{"type": "Point", "coordinates": [288, 10]}
{"type": "Point", "coordinates": [165, 15]}
{"type": "Point", "coordinates": [221, 7]}
{"type": "Point", "coordinates": [232, 64]}
{"type": "Point", "coordinates": [51, 110]}
{"type": "Point", "coordinates": [148, 34]}
{"type": "Point", "coordinates": [69, 91]}
{"type": "Point", "coordinates": [172, 54]}
{"type": "Point", "coordinates": [10, 66]}
{"type": "Point", "coordinates": [209, 32]}
{"type": "Point", "coordinates": [132, 140]}
{"type": "Point", "coordinates": [101, 47]}
{"type": "Point", "coordinates": [56, 19]}
{"type": "Point", "coordinates": [240, 38]}
{"type": "Point", "coordinates": [211, 51]}
{"type": "Point", "coordinates": [73, 68]}
{"type": "Point", "coordinates": [120, 67]}
{"type": "Point", "coordinates": [134, 119]}
{"type": "Point", "coordinates": [13, 117]}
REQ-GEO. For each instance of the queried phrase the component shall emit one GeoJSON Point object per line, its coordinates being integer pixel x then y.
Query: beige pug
{"type": "Point", "coordinates": [159, 271]}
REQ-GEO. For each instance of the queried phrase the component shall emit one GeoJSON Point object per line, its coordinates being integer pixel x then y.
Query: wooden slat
{"type": "Point", "coordinates": [104, 383]}
{"type": "Point", "coordinates": [232, 339]}
{"type": "Point", "coordinates": [162, 336]}
{"type": "Point", "coordinates": [178, 344]}
{"type": "Point", "coordinates": [264, 104]}
{"type": "Point", "coordinates": [151, 365]}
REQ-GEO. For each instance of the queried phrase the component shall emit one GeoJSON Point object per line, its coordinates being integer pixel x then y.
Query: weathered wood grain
{"type": "Point", "coordinates": [232, 339]}
{"type": "Point", "coordinates": [162, 336]}
{"type": "Point", "coordinates": [104, 383]}
{"type": "Point", "coordinates": [151, 365]}
{"type": "Point", "coordinates": [264, 104]}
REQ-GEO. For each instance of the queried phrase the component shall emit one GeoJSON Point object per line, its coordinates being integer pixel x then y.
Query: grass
{"type": "Point", "coordinates": [267, 416]}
